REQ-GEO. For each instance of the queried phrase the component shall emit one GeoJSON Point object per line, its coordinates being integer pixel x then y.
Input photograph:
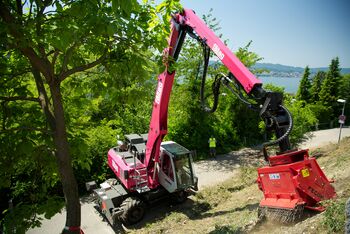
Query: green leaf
{"type": "Point", "coordinates": [59, 7]}
{"type": "Point", "coordinates": [115, 6]}
{"type": "Point", "coordinates": [111, 29]}
{"type": "Point", "coordinates": [126, 7]}
{"type": "Point", "coordinates": [26, 147]}
{"type": "Point", "coordinates": [161, 6]}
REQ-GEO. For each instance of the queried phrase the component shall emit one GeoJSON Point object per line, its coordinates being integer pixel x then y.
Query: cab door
{"type": "Point", "coordinates": [166, 174]}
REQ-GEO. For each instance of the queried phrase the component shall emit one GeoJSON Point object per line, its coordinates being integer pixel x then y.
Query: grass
{"type": "Point", "coordinates": [336, 161]}
{"type": "Point", "coordinates": [334, 216]}
{"type": "Point", "coordinates": [213, 209]}
{"type": "Point", "coordinates": [231, 207]}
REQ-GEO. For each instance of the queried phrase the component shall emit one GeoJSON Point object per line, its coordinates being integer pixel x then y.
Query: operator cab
{"type": "Point", "coordinates": [176, 168]}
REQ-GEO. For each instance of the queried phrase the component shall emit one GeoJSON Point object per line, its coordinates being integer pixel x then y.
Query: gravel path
{"type": "Point", "coordinates": [324, 137]}
{"type": "Point", "coordinates": [214, 171]}
{"type": "Point", "coordinates": [210, 172]}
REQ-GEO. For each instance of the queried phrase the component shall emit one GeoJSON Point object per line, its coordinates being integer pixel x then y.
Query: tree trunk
{"type": "Point", "coordinates": [69, 183]}
{"type": "Point", "coordinates": [44, 99]}
{"type": "Point", "coordinates": [13, 21]}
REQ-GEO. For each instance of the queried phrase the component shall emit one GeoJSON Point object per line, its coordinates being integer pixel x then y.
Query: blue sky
{"type": "Point", "coordinates": [296, 33]}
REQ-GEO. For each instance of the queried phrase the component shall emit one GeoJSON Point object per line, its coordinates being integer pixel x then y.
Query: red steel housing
{"type": "Point", "coordinates": [294, 179]}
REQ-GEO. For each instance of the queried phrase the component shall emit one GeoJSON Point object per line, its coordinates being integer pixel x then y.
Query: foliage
{"type": "Point", "coordinates": [330, 88]}
{"type": "Point", "coordinates": [61, 39]}
{"type": "Point", "coordinates": [345, 94]}
{"type": "Point", "coordinates": [316, 86]}
{"type": "Point", "coordinates": [303, 118]}
{"type": "Point", "coordinates": [325, 96]}
{"type": "Point", "coordinates": [225, 229]}
{"type": "Point", "coordinates": [303, 93]}
{"type": "Point", "coordinates": [322, 113]}
{"type": "Point", "coordinates": [28, 173]}
{"type": "Point", "coordinates": [326, 88]}
{"type": "Point", "coordinates": [345, 87]}
{"type": "Point", "coordinates": [334, 71]}
{"type": "Point", "coordinates": [334, 216]}
{"type": "Point", "coordinates": [21, 218]}
{"type": "Point", "coordinates": [247, 57]}
{"type": "Point", "coordinates": [271, 87]}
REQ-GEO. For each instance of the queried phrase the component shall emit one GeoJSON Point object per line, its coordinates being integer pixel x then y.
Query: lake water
{"type": "Point", "coordinates": [289, 84]}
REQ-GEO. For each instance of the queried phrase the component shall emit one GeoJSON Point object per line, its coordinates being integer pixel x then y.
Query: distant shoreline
{"type": "Point", "coordinates": [281, 75]}
{"type": "Point", "coordinates": [279, 70]}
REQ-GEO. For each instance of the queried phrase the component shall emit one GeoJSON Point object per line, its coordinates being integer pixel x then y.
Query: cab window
{"type": "Point", "coordinates": [183, 170]}
{"type": "Point", "coordinates": [166, 166]}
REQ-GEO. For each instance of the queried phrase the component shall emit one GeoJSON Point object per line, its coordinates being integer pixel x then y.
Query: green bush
{"type": "Point", "coordinates": [304, 120]}
{"type": "Point", "coordinates": [334, 216]}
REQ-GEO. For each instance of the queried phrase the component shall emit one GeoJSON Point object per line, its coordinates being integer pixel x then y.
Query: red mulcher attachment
{"type": "Point", "coordinates": [293, 181]}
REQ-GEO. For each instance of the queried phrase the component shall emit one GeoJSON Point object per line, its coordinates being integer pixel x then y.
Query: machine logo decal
{"type": "Point", "coordinates": [305, 172]}
{"type": "Point", "coordinates": [275, 176]}
{"type": "Point", "coordinates": [218, 52]}
{"type": "Point", "coordinates": [159, 92]}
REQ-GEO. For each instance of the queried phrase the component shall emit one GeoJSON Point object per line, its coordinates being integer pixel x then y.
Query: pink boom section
{"type": "Point", "coordinates": [158, 124]}
{"type": "Point", "coordinates": [236, 67]}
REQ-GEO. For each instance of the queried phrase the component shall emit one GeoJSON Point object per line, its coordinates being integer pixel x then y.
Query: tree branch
{"type": "Point", "coordinates": [38, 25]}
{"type": "Point", "coordinates": [43, 99]}
{"type": "Point", "coordinates": [81, 68]}
{"type": "Point", "coordinates": [19, 7]}
{"type": "Point", "coordinates": [48, 12]}
{"type": "Point", "coordinates": [50, 52]}
{"type": "Point", "coordinates": [41, 49]}
{"type": "Point", "coordinates": [4, 117]}
{"type": "Point", "coordinates": [38, 63]}
{"type": "Point", "coordinates": [69, 52]}
{"type": "Point", "coordinates": [19, 98]}
{"type": "Point", "coordinates": [54, 58]}
{"type": "Point", "coordinates": [16, 30]}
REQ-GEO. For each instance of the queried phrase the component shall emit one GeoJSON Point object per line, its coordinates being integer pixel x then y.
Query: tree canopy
{"type": "Point", "coordinates": [326, 88]}
{"type": "Point", "coordinates": [303, 92]}
{"type": "Point", "coordinates": [44, 43]}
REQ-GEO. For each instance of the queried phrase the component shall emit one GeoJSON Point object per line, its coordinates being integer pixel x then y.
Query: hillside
{"type": "Point", "coordinates": [284, 70]}
{"type": "Point", "coordinates": [231, 207]}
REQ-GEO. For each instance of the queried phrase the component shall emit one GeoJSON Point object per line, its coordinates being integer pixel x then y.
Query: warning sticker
{"type": "Point", "coordinates": [275, 176]}
{"type": "Point", "coordinates": [305, 172]}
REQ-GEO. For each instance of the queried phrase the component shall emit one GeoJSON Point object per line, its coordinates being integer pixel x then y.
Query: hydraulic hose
{"type": "Point", "coordinates": [238, 94]}
{"type": "Point", "coordinates": [286, 134]}
{"type": "Point", "coordinates": [215, 86]}
{"type": "Point", "coordinates": [290, 127]}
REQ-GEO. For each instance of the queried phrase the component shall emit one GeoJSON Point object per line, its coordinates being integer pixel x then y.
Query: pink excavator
{"type": "Point", "coordinates": [148, 169]}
